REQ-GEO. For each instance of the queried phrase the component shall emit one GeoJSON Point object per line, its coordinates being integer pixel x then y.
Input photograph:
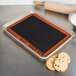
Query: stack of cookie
{"type": "Point", "coordinates": [58, 62]}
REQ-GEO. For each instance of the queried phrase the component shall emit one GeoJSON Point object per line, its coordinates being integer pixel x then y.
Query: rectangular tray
{"type": "Point", "coordinates": [26, 47]}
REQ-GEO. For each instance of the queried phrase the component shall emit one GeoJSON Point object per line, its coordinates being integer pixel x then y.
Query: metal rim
{"type": "Point", "coordinates": [69, 17]}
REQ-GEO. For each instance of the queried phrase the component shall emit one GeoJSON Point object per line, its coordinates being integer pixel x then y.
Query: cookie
{"type": "Point", "coordinates": [65, 56]}
{"type": "Point", "coordinates": [50, 62]}
{"type": "Point", "coordinates": [60, 65]}
{"type": "Point", "coordinates": [55, 56]}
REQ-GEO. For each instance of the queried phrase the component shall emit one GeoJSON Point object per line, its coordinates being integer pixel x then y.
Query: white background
{"type": "Point", "coordinates": [28, 2]}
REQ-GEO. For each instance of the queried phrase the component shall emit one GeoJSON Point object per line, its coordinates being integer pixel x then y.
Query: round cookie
{"type": "Point", "coordinates": [65, 56]}
{"type": "Point", "coordinates": [60, 64]}
{"type": "Point", "coordinates": [50, 62]}
{"type": "Point", "coordinates": [55, 56]}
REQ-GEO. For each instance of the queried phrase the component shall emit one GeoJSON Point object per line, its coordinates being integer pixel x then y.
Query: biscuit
{"type": "Point", "coordinates": [50, 62]}
{"type": "Point", "coordinates": [60, 65]}
{"type": "Point", "coordinates": [55, 56]}
{"type": "Point", "coordinates": [65, 56]}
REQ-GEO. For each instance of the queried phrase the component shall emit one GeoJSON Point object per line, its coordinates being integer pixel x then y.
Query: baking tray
{"type": "Point", "coordinates": [30, 50]}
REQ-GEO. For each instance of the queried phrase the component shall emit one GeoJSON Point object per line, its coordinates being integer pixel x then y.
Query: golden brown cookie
{"type": "Point", "coordinates": [60, 65]}
{"type": "Point", "coordinates": [50, 62]}
{"type": "Point", "coordinates": [55, 56]}
{"type": "Point", "coordinates": [65, 56]}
